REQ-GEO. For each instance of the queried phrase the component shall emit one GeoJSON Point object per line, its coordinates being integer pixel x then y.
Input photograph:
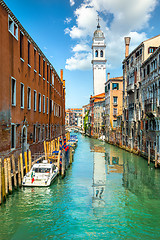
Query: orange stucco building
{"type": "Point", "coordinates": [32, 95]}
{"type": "Point", "coordinates": [113, 104]}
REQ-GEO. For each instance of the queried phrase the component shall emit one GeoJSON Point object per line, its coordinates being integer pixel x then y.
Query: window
{"type": "Point", "coordinates": [21, 45]}
{"type": "Point", "coordinates": [13, 135]}
{"type": "Point", "coordinates": [50, 75]}
{"type": "Point", "coordinates": [39, 64]}
{"type": "Point", "coordinates": [13, 91]}
{"type": "Point", "coordinates": [54, 109]}
{"type": "Point", "coordinates": [39, 134]}
{"type": "Point", "coordinates": [47, 105]}
{"type": "Point", "coordinates": [115, 100]}
{"type": "Point", "coordinates": [22, 95]}
{"type": "Point", "coordinates": [12, 27]}
{"type": "Point", "coordinates": [46, 131]}
{"type": "Point", "coordinates": [34, 133]}
{"type": "Point", "coordinates": [29, 52]}
{"type": "Point", "coordinates": [148, 69]}
{"type": "Point", "coordinates": [52, 78]}
{"type": "Point", "coordinates": [52, 105]}
{"type": "Point", "coordinates": [43, 131]}
{"type": "Point", "coordinates": [101, 53]}
{"type": "Point", "coordinates": [115, 86]}
{"type": "Point", "coordinates": [43, 104]}
{"type": "Point", "coordinates": [29, 98]}
{"type": "Point", "coordinates": [96, 53]}
{"type": "Point", "coordinates": [39, 102]}
{"type": "Point", "coordinates": [35, 100]}
{"type": "Point", "coordinates": [35, 58]}
{"type": "Point", "coordinates": [114, 123]}
{"type": "Point", "coordinates": [44, 69]}
{"type": "Point", "coordinates": [47, 72]}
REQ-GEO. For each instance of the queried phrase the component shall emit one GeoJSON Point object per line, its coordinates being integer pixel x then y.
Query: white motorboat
{"type": "Point", "coordinates": [40, 175]}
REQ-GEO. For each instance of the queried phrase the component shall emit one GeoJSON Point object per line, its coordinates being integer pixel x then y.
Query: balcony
{"type": "Point", "coordinates": [130, 88]}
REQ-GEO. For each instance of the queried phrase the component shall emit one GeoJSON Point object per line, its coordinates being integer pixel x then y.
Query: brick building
{"type": "Point", "coordinates": [32, 95]}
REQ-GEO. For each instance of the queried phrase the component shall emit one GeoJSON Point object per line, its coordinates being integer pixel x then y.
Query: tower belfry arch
{"type": "Point", "coordinates": [98, 60]}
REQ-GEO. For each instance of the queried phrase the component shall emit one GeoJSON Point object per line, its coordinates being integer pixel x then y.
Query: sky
{"type": "Point", "coordinates": [63, 29]}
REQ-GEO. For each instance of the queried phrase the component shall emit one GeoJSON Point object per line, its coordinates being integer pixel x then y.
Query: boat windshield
{"type": "Point", "coordinates": [41, 170]}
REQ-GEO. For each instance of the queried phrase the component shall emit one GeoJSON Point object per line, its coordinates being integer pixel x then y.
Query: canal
{"type": "Point", "coordinates": [107, 193]}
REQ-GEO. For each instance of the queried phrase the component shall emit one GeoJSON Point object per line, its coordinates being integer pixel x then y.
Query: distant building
{"type": "Point", "coordinates": [74, 117]}
{"type": "Point", "coordinates": [98, 61]}
{"type": "Point", "coordinates": [32, 95]}
{"type": "Point", "coordinates": [96, 115]}
{"type": "Point", "coordinates": [113, 106]}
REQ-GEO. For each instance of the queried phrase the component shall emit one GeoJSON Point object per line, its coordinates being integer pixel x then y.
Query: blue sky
{"type": "Point", "coordinates": [63, 29]}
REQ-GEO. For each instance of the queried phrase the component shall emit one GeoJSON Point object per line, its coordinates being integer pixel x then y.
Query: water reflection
{"type": "Point", "coordinates": [99, 180]}
{"type": "Point", "coordinates": [114, 160]}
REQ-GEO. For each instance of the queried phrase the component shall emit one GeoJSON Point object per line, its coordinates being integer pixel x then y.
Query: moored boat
{"type": "Point", "coordinates": [40, 175]}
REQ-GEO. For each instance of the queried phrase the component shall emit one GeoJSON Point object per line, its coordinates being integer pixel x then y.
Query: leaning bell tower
{"type": "Point", "coordinates": [98, 61]}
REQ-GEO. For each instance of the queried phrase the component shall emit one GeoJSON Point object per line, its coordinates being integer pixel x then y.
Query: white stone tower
{"type": "Point", "coordinates": [98, 61]}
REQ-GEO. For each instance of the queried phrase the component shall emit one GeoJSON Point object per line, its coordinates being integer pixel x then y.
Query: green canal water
{"type": "Point", "coordinates": [128, 208]}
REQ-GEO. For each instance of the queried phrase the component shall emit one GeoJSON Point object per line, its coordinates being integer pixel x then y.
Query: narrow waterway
{"type": "Point", "coordinates": [119, 198]}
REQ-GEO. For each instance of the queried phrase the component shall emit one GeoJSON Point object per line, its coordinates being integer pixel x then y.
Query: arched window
{"type": "Point", "coordinates": [101, 53]}
{"type": "Point", "coordinates": [96, 53]}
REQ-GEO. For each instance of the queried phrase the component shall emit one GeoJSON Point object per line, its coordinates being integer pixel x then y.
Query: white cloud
{"type": "Point", "coordinates": [124, 18]}
{"type": "Point", "coordinates": [82, 60]}
{"type": "Point", "coordinates": [68, 20]}
{"type": "Point", "coordinates": [72, 2]}
{"type": "Point", "coordinates": [81, 47]}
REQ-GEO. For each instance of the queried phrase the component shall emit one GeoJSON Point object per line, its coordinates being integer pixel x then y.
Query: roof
{"type": "Point", "coordinates": [101, 95]}
{"type": "Point", "coordinates": [114, 79]}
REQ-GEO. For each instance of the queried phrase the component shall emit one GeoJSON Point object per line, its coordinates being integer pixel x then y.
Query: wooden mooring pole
{"type": "Point", "coordinates": [26, 162]}
{"type": "Point", "coordinates": [156, 162]}
{"type": "Point", "coordinates": [149, 154]}
{"type": "Point", "coordinates": [14, 171]}
{"type": "Point", "coordinates": [9, 175]}
{"type": "Point", "coordinates": [19, 173]}
{"type": "Point", "coordinates": [30, 160]}
{"type": "Point", "coordinates": [3, 186]}
{"type": "Point", "coordinates": [6, 175]}
{"type": "Point", "coordinates": [21, 166]}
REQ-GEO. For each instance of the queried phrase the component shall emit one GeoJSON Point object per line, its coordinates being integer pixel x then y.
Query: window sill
{"type": "Point", "coordinates": [44, 79]}
{"type": "Point", "coordinates": [29, 109]}
{"type": "Point", "coordinates": [22, 59]}
{"type": "Point", "coordinates": [35, 71]}
{"type": "Point", "coordinates": [29, 65]}
{"type": "Point", "coordinates": [40, 75]}
{"type": "Point", "coordinates": [22, 108]}
{"type": "Point", "coordinates": [13, 105]}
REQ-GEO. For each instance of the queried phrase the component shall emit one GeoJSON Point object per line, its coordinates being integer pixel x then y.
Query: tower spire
{"type": "Point", "coordinates": [98, 26]}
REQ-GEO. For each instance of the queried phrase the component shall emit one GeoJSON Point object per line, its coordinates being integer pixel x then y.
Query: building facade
{"type": "Point", "coordinates": [113, 108]}
{"type": "Point", "coordinates": [150, 95]}
{"type": "Point", "coordinates": [132, 99]}
{"type": "Point", "coordinates": [96, 116]}
{"type": "Point", "coordinates": [32, 95]}
{"type": "Point", "coordinates": [98, 61]}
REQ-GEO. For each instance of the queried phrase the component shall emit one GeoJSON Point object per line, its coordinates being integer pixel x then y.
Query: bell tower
{"type": "Point", "coordinates": [98, 61]}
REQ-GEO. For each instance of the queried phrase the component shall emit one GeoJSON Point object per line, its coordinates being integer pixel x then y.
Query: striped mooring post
{"type": "Point", "coordinates": [60, 149]}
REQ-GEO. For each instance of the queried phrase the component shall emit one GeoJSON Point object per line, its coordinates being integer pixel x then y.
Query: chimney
{"type": "Point", "coordinates": [108, 74]}
{"type": "Point", "coordinates": [127, 42]}
{"type": "Point", "coordinates": [61, 74]}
